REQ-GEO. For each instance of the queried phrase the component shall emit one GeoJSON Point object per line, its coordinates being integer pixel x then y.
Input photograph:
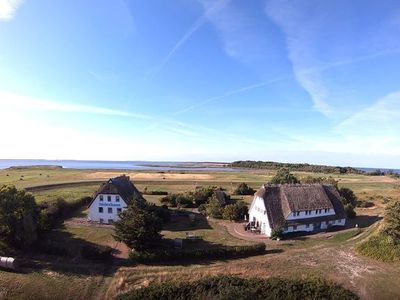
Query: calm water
{"type": "Point", "coordinates": [129, 165]}
{"type": "Point", "coordinates": [117, 165]}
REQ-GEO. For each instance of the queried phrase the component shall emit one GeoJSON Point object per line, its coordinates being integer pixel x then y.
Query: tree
{"type": "Point", "coordinates": [348, 196]}
{"type": "Point", "coordinates": [244, 189]}
{"type": "Point", "coordinates": [138, 228]}
{"type": "Point", "coordinates": [19, 217]}
{"type": "Point", "coordinates": [214, 208]}
{"type": "Point", "coordinates": [284, 176]}
{"type": "Point", "coordinates": [276, 233]}
{"type": "Point", "coordinates": [234, 212]}
{"type": "Point", "coordinates": [349, 209]}
{"type": "Point", "coordinates": [392, 219]}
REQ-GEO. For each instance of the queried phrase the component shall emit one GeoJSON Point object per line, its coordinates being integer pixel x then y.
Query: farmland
{"type": "Point", "coordinates": [329, 255]}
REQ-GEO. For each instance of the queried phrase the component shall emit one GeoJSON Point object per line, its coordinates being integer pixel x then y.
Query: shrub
{"type": "Point", "coordinates": [96, 252]}
{"type": "Point", "coordinates": [214, 209]}
{"type": "Point", "coordinates": [381, 247]}
{"type": "Point", "coordinates": [284, 176]}
{"type": "Point", "coordinates": [234, 212]}
{"type": "Point", "coordinates": [392, 219]}
{"type": "Point", "coordinates": [348, 196]}
{"type": "Point", "coordinates": [19, 218]}
{"type": "Point", "coordinates": [202, 195]}
{"type": "Point", "coordinates": [349, 209]}
{"type": "Point", "coordinates": [276, 233]}
{"type": "Point", "coordinates": [231, 287]}
{"type": "Point", "coordinates": [156, 192]}
{"type": "Point", "coordinates": [243, 189]}
{"type": "Point", "coordinates": [167, 255]}
{"type": "Point", "coordinates": [169, 200]}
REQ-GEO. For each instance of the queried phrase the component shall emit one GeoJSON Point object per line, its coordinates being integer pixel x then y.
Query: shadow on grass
{"type": "Point", "coordinates": [362, 221]}
{"type": "Point", "coordinates": [60, 251]}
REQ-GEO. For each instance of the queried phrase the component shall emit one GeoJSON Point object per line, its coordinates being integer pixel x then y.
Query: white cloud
{"type": "Point", "coordinates": [214, 7]}
{"type": "Point", "coordinates": [320, 38]}
{"type": "Point", "coordinates": [8, 9]}
{"type": "Point", "coordinates": [20, 102]}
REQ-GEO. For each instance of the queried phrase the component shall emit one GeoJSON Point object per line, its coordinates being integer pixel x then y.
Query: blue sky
{"type": "Point", "coordinates": [293, 81]}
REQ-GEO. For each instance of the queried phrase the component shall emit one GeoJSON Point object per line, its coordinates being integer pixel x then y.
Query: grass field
{"type": "Point", "coordinates": [332, 256]}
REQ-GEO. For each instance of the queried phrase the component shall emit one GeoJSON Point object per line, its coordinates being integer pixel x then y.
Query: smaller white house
{"type": "Point", "coordinates": [112, 198]}
{"type": "Point", "coordinates": [296, 208]}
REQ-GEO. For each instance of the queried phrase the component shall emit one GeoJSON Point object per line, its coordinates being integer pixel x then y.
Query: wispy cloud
{"type": "Point", "coordinates": [228, 94]}
{"type": "Point", "coordinates": [217, 5]}
{"type": "Point", "coordinates": [21, 102]}
{"type": "Point", "coordinates": [8, 9]}
{"type": "Point", "coordinates": [310, 29]}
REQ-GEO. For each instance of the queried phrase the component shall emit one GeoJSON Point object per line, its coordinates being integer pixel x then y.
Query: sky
{"type": "Point", "coordinates": [201, 80]}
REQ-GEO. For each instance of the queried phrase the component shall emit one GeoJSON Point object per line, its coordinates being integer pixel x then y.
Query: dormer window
{"type": "Point", "coordinates": [117, 198]}
{"type": "Point", "coordinates": [101, 197]}
{"type": "Point", "coordinates": [109, 198]}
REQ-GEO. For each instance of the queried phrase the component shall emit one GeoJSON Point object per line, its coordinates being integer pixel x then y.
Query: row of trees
{"type": "Point", "coordinates": [250, 164]}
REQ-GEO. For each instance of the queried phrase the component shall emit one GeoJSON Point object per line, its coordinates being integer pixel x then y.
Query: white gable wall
{"type": "Point", "coordinates": [109, 208]}
{"type": "Point", "coordinates": [257, 213]}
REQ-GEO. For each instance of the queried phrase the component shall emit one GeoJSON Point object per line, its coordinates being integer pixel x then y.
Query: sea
{"type": "Point", "coordinates": [118, 165]}
{"type": "Point", "coordinates": [135, 165]}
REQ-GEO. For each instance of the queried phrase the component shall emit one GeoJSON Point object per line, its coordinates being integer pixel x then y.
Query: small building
{"type": "Point", "coordinates": [112, 198]}
{"type": "Point", "coordinates": [296, 208]}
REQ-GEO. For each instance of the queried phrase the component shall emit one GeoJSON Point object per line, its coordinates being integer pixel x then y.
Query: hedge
{"type": "Point", "coordinates": [96, 252]}
{"type": "Point", "coordinates": [231, 287]}
{"type": "Point", "coordinates": [167, 255]}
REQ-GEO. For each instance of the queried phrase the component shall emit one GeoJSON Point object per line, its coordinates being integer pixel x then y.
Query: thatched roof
{"type": "Point", "coordinates": [221, 197]}
{"type": "Point", "coordinates": [281, 200]}
{"type": "Point", "coordinates": [122, 186]}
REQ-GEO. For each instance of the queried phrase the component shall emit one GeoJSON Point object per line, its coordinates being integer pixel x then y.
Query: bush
{"type": "Point", "coordinates": [214, 209]}
{"type": "Point", "coordinates": [156, 192]}
{"type": "Point", "coordinates": [231, 287]}
{"type": "Point", "coordinates": [56, 211]}
{"type": "Point", "coordinates": [381, 247]}
{"type": "Point", "coordinates": [202, 195]}
{"type": "Point", "coordinates": [19, 218]}
{"type": "Point", "coordinates": [348, 196]}
{"type": "Point", "coordinates": [244, 189]}
{"type": "Point", "coordinates": [167, 255]}
{"type": "Point", "coordinates": [349, 209]}
{"type": "Point", "coordinates": [169, 200]}
{"type": "Point", "coordinates": [234, 212]}
{"type": "Point", "coordinates": [277, 233]}
{"type": "Point", "coordinates": [96, 252]}
{"type": "Point", "coordinates": [284, 176]}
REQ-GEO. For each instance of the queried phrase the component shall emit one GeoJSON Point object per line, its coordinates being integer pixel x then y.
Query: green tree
{"type": "Point", "coordinates": [243, 189]}
{"type": "Point", "coordinates": [348, 196]}
{"type": "Point", "coordinates": [349, 209]}
{"type": "Point", "coordinates": [231, 212]}
{"type": "Point", "coordinates": [19, 217]}
{"type": "Point", "coordinates": [138, 228]}
{"type": "Point", "coordinates": [214, 208]}
{"type": "Point", "coordinates": [392, 219]}
{"type": "Point", "coordinates": [277, 233]}
{"type": "Point", "coordinates": [284, 176]}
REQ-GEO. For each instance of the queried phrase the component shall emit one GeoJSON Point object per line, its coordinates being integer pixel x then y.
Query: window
{"type": "Point", "coordinates": [110, 210]}
{"type": "Point", "coordinates": [101, 197]}
{"type": "Point", "coordinates": [110, 221]}
{"type": "Point", "coordinates": [307, 225]}
{"type": "Point", "coordinates": [294, 227]}
{"type": "Point", "coordinates": [119, 210]}
{"type": "Point", "coordinates": [101, 220]}
{"type": "Point", "coordinates": [298, 213]}
{"type": "Point", "coordinates": [109, 198]}
{"type": "Point", "coordinates": [100, 209]}
{"type": "Point", "coordinates": [117, 198]}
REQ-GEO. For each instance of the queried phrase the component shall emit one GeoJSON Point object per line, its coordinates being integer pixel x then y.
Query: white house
{"type": "Point", "coordinates": [296, 208]}
{"type": "Point", "coordinates": [112, 198]}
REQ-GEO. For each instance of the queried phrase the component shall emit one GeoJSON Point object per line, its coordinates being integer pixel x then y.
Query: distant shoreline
{"type": "Point", "coordinates": [135, 165]}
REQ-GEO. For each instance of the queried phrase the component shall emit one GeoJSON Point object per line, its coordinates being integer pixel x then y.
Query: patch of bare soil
{"type": "Point", "coordinates": [151, 176]}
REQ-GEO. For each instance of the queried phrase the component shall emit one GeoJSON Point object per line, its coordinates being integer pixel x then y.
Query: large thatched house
{"type": "Point", "coordinates": [112, 198]}
{"type": "Point", "coordinates": [296, 207]}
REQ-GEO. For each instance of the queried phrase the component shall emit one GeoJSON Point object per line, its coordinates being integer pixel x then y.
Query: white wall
{"type": "Point", "coordinates": [311, 214]}
{"type": "Point", "coordinates": [95, 215]}
{"type": "Point", "coordinates": [258, 213]}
